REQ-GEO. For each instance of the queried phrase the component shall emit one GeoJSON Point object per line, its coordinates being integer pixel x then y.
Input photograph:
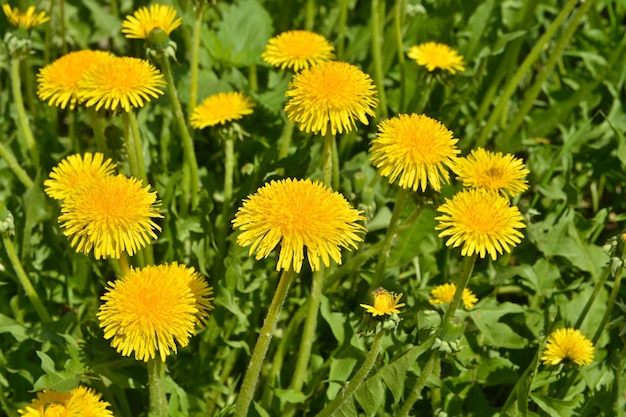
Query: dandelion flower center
{"type": "Point", "coordinates": [568, 344]}
{"type": "Point", "coordinates": [75, 171]}
{"type": "Point", "coordinates": [434, 55]}
{"type": "Point", "coordinates": [145, 19]}
{"type": "Point", "coordinates": [443, 294]}
{"type": "Point", "coordinates": [385, 302]}
{"type": "Point", "coordinates": [297, 49]}
{"type": "Point", "coordinates": [221, 108]}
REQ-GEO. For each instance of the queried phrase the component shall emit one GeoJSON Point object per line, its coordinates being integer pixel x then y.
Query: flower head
{"type": "Point", "coordinates": [221, 108]}
{"type": "Point", "coordinates": [121, 82]}
{"type": "Point", "coordinates": [297, 49]}
{"type": "Point", "coordinates": [75, 171]}
{"type": "Point", "coordinates": [330, 94]}
{"type": "Point", "coordinates": [484, 222]}
{"type": "Point", "coordinates": [57, 82]}
{"type": "Point", "coordinates": [385, 302]}
{"type": "Point", "coordinates": [80, 401]}
{"type": "Point", "coordinates": [298, 214]}
{"type": "Point", "coordinates": [157, 16]}
{"type": "Point", "coordinates": [492, 171]}
{"type": "Point", "coordinates": [25, 21]}
{"type": "Point", "coordinates": [443, 294]}
{"type": "Point", "coordinates": [112, 214]}
{"type": "Point", "coordinates": [568, 344]}
{"type": "Point", "coordinates": [416, 148]}
{"type": "Point", "coordinates": [434, 55]}
{"type": "Point", "coordinates": [153, 309]}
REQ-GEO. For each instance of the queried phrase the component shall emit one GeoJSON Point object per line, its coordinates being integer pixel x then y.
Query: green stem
{"type": "Point", "coordinates": [466, 273]}
{"type": "Point", "coordinates": [124, 264]}
{"type": "Point", "coordinates": [419, 384]}
{"type": "Point", "coordinates": [377, 43]}
{"type": "Point", "coordinates": [609, 307]}
{"type": "Point", "coordinates": [97, 124]}
{"type": "Point", "coordinates": [156, 387]}
{"type": "Point", "coordinates": [596, 290]}
{"type": "Point", "coordinates": [251, 377]}
{"type": "Point", "coordinates": [341, 30]}
{"type": "Point", "coordinates": [309, 17]}
{"type": "Point", "coordinates": [398, 25]}
{"type": "Point", "coordinates": [131, 148]}
{"type": "Point", "coordinates": [353, 264]}
{"type": "Point", "coordinates": [346, 393]}
{"type": "Point", "coordinates": [23, 125]}
{"type": "Point", "coordinates": [327, 169]}
{"type": "Point", "coordinates": [19, 172]}
{"type": "Point", "coordinates": [141, 163]}
{"type": "Point", "coordinates": [285, 140]}
{"type": "Point", "coordinates": [229, 166]}
{"type": "Point", "coordinates": [195, 57]}
{"type": "Point", "coordinates": [424, 95]}
{"type": "Point", "coordinates": [253, 78]}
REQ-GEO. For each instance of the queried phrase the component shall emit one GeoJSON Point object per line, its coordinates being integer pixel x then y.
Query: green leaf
{"type": "Point", "coordinates": [371, 395]}
{"type": "Point", "coordinates": [62, 381]}
{"type": "Point", "coordinates": [494, 332]}
{"type": "Point", "coordinates": [554, 406]}
{"type": "Point", "coordinates": [290, 395]}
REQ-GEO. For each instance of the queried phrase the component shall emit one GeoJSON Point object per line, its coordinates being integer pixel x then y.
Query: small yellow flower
{"type": "Point", "coordinates": [75, 171]}
{"type": "Point", "coordinates": [112, 214]}
{"type": "Point", "coordinates": [482, 221]}
{"type": "Point", "coordinates": [25, 21]}
{"type": "Point", "coordinates": [153, 309]}
{"type": "Point", "coordinates": [330, 95]}
{"type": "Point", "coordinates": [568, 344]}
{"type": "Point", "coordinates": [416, 148]}
{"type": "Point", "coordinates": [80, 401]}
{"type": "Point", "coordinates": [297, 49]}
{"type": "Point", "coordinates": [298, 214]}
{"type": "Point", "coordinates": [221, 108]}
{"type": "Point", "coordinates": [434, 55]}
{"type": "Point", "coordinates": [492, 171]}
{"type": "Point", "coordinates": [385, 302]}
{"type": "Point", "coordinates": [121, 82]}
{"type": "Point", "coordinates": [157, 16]}
{"type": "Point", "coordinates": [443, 294]}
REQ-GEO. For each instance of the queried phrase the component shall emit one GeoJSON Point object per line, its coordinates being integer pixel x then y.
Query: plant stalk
{"type": "Point", "coordinates": [156, 387]}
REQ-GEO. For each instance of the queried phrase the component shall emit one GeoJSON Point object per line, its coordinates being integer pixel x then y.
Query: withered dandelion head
{"type": "Point", "coordinates": [112, 214]}
{"type": "Point", "coordinates": [57, 82]}
{"type": "Point", "coordinates": [27, 20]}
{"type": "Point", "coordinates": [492, 171]}
{"type": "Point", "coordinates": [121, 82]}
{"type": "Point", "coordinates": [297, 50]}
{"type": "Point", "coordinates": [145, 19]}
{"type": "Point", "coordinates": [482, 221]}
{"type": "Point", "coordinates": [153, 309]}
{"type": "Point", "coordinates": [385, 302]}
{"type": "Point", "coordinates": [443, 294]}
{"type": "Point", "coordinates": [434, 56]}
{"type": "Point", "coordinates": [568, 344]}
{"type": "Point", "coordinates": [75, 171]}
{"type": "Point", "coordinates": [330, 95]}
{"type": "Point", "coordinates": [80, 401]}
{"type": "Point", "coordinates": [221, 108]}
{"type": "Point", "coordinates": [415, 148]}
{"type": "Point", "coordinates": [298, 214]}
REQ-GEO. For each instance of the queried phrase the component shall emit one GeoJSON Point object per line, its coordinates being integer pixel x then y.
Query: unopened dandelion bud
{"type": "Point", "coordinates": [158, 39]}
{"type": "Point", "coordinates": [452, 330]}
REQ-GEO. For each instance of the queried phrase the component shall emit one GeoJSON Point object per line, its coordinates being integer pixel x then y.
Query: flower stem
{"type": "Point", "coordinates": [19, 172]}
{"type": "Point", "coordinates": [341, 28]}
{"type": "Point", "coordinates": [23, 125]}
{"type": "Point", "coordinates": [123, 264]}
{"type": "Point", "coordinates": [262, 345]}
{"type": "Point", "coordinates": [466, 273]}
{"type": "Point", "coordinates": [398, 25]}
{"type": "Point", "coordinates": [377, 43]}
{"type": "Point", "coordinates": [97, 125]}
{"type": "Point", "coordinates": [229, 166]}
{"type": "Point", "coordinates": [327, 169]}
{"type": "Point", "coordinates": [285, 140]}
{"type": "Point", "coordinates": [195, 57]}
{"type": "Point", "coordinates": [419, 384]}
{"type": "Point", "coordinates": [141, 163]}
{"type": "Point", "coordinates": [346, 393]}
{"type": "Point", "coordinates": [309, 16]}
{"type": "Point", "coordinates": [609, 308]}
{"type": "Point", "coordinates": [156, 387]}
{"type": "Point", "coordinates": [131, 148]}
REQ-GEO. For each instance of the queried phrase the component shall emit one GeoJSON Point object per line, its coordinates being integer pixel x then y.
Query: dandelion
{"type": "Point", "coordinates": [415, 148]}
{"type": "Point", "coordinates": [57, 82]}
{"type": "Point", "coordinates": [298, 214]}
{"type": "Point", "coordinates": [80, 401]}
{"type": "Point", "coordinates": [153, 309]}
{"type": "Point", "coordinates": [112, 214]}
{"type": "Point", "coordinates": [443, 294]}
{"type": "Point", "coordinates": [121, 82]}
{"type": "Point", "coordinates": [74, 171]}
{"type": "Point", "coordinates": [330, 94]}
{"type": "Point", "coordinates": [385, 302]}
{"type": "Point", "coordinates": [482, 221]}
{"type": "Point", "coordinates": [221, 108]}
{"type": "Point", "coordinates": [568, 344]}
{"type": "Point", "coordinates": [492, 171]}
{"type": "Point", "coordinates": [297, 50]}
{"type": "Point", "coordinates": [434, 55]}
{"type": "Point", "coordinates": [25, 21]}
{"type": "Point", "coordinates": [144, 20]}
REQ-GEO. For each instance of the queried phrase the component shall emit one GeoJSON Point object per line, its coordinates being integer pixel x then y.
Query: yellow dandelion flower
{"type": "Point", "coordinates": [152, 309]}
{"type": "Point", "coordinates": [121, 82]}
{"type": "Point", "coordinates": [202, 293]}
{"type": "Point", "coordinates": [416, 148]}
{"type": "Point", "coordinates": [492, 171]}
{"type": "Point", "coordinates": [74, 171]}
{"type": "Point", "coordinates": [385, 302]}
{"type": "Point", "coordinates": [443, 294]}
{"type": "Point", "coordinates": [80, 401]}
{"type": "Point", "coordinates": [568, 344]}
{"type": "Point", "coordinates": [298, 214]}
{"type": "Point", "coordinates": [484, 222]}
{"type": "Point", "coordinates": [25, 21]}
{"type": "Point", "coordinates": [434, 55]}
{"type": "Point", "coordinates": [221, 108]}
{"type": "Point", "coordinates": [330, 95]}
{"type": "Point", "coordinates": [157, 16]}
{"type": "Point", "coordinates": [297, 50]}
{"type": "Point", "coordinates": [57, 82]}
{"type": "Point", "coordinates": [112, 214]}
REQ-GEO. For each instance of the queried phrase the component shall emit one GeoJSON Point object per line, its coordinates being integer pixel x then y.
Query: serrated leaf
{"type": "Point", "coordinates": [371, 395]}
